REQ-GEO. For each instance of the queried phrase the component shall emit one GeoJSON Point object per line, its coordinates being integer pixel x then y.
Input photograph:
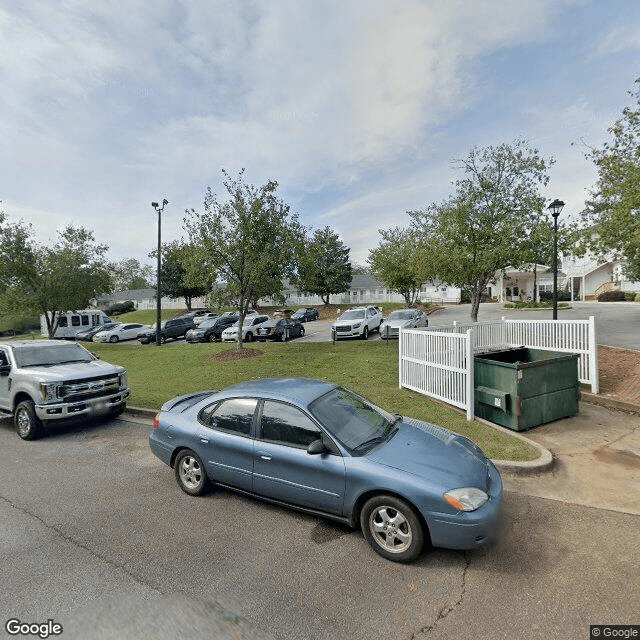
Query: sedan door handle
{"type": "Point", "coordinates": [265, 457]}
{"type": "Point", "coordinates": [204, 441]}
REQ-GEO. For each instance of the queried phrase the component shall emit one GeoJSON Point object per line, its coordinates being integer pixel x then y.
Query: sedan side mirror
{"type": "Point", "coordinates": [316, 448]}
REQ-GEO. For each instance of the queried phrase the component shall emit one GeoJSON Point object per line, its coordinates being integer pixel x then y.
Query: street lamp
{"type": "Point", "coordinates": [159, 209]}
{"type": "Point", "coordinates": [555, 207]}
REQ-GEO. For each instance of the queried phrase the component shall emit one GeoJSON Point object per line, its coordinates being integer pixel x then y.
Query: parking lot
{"type": "Point", "coordinates": [97, 535]}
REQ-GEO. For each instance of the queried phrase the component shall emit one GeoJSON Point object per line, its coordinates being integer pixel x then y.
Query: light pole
{"type": "Point", "coordinates": [159, 209]}
{"type": "Point", "coordinates": [555, 207]}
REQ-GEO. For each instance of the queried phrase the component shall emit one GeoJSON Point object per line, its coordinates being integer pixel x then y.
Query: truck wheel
{"type": "Point", "coordinates": [27, 422]}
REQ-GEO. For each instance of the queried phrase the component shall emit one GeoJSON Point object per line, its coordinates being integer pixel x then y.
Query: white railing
{"type": "Point", "coordinates": [440, 365]}
{"type": "Point", "coordinates": [438, 361]}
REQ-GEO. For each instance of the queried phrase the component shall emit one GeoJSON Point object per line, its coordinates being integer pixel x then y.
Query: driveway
{"type": "Point", "coordinates": [96, 535]}
{"type": "Point", "coordinates": [617, 323]}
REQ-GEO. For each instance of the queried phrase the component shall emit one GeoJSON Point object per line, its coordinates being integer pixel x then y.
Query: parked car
{"type": "Point", "coordinates": [280, 330]}
{"type": "Point", "coordinates": [306, 314]}
{"type": "Point", "coordinates": [314, 445]}
{"type": "Point", "coordinates": [209, 330]}
{"type": "Point", "coordinates": [197, 313]}
{"type": "Point", "coordinates": [169, 329]}
{"type": "Point", "coordinates": [249, 327]}
{"type": "Point", "coordinates": [403, 319]}
{"type": "Point", "coordinates": [122, 331]}
{"type": "Point", "coordinates": [87, 334]}
{"type": "Point", "coordinates": [357, 323]}
{"type": "Point", "coordinates": [197, 320]}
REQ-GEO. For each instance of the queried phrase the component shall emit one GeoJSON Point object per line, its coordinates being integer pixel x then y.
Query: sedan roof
{"type": "Point", "coordinates": [302, 391]}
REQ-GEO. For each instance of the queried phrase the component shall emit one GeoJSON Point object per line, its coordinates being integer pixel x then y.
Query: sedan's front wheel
{"type": "Point", "coordinates": [113, 339]}
{"type": "Point", "coordinates": [392, 528]}
{"type": "Point", "coordinates": [190, 473]}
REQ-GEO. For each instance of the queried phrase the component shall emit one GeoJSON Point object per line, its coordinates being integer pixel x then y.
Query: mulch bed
{"type": "Point", "coordinates": [235, 354]}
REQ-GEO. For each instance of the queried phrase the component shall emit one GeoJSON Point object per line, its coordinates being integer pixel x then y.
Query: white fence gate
{"type": "Point", "coordinates": [438, 361]}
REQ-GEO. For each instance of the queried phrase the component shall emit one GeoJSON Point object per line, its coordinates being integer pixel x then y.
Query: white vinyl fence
{"type": "Point", "coordinates": [438, 361]}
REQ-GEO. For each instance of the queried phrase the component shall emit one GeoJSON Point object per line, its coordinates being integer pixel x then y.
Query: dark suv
{"type": "Point", "coordinates": [175, 328]}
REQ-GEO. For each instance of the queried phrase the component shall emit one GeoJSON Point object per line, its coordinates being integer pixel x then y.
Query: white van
{"type": "Point", "coordinates": [68, 323]}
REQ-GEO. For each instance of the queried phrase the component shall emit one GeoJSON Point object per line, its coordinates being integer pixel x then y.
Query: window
{"type": "Point", "coordinates": [233, 415]}
{"type": "Point", "coordinates": [85, 320]}
{"type": "Point", "coordinates": [283, 424]}
{"type": "Point", "coordinates": [75, 321]}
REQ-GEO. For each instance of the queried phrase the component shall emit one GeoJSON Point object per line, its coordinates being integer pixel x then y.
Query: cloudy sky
{"type": "Point", "coordinates": [356, 107]}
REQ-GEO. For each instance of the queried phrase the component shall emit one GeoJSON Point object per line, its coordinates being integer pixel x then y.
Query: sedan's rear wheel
{"type": "Point", "coordinates": [392, 528]}
{"type": "Point", "coordinates": [190, 473]}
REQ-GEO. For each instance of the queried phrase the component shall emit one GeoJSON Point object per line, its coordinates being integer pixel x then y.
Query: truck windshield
{"type": "Point", "coordinates": [46, 354]}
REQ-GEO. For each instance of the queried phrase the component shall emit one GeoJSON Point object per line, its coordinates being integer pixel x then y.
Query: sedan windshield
{"type": "Point", "coordinates": [401, 315]}
{"type": "Point", "coordinates": [29, 355]}
{"type": "Point", "coordinates": [353, 420]}
{"type": "Point", "coordinates": [355, 314]}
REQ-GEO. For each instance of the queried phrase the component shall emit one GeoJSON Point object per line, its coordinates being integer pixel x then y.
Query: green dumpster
{"type": "Point", "coordinates": [523, 388]}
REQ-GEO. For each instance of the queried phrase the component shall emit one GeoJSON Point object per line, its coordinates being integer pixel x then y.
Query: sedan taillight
{"type": "Point", "coordinates": [156, 421]}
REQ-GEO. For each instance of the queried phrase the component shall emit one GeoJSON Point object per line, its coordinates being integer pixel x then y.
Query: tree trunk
{"type": "Point", "coordinates": [535, 283]}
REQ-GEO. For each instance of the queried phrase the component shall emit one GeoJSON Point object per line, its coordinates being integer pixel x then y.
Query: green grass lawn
{"type": "Point", "coordinates": [157, 374]}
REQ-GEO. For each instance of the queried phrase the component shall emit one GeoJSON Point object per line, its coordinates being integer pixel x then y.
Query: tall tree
{"type": "Point", "coordinates": [247, 240]}
{"type": "Point", "coordinates": [613, 213]}
{"type": "Point", "coordinates": [479, 230]}
{"type": "Point", "coordinates": [130, 274]}
{"type": "Point", "coordinates": [398, 262]}
{"type": "Point", "coordinates": [180, 274]}
{"type": "Point", "coordinates": [37, 279]}
{"type": "Point", "coordinates": [323, 265]}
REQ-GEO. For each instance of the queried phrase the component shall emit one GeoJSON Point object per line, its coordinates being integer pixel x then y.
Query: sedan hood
{"type": "Point", "coordinates": [431, 452]}
{"type": "Point", "coordinates": [398, 324]}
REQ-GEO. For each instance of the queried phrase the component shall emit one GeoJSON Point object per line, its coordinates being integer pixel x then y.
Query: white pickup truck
{"type": "Point", "coordinates": [43, 381]}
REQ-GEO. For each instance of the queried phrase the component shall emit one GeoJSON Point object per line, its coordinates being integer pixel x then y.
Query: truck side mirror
{"type": "Point", "coordinates": [5, 369]}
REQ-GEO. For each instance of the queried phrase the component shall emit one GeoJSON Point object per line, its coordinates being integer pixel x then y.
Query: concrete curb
{"type": "Point", "coordinates": [540, 465]}
{"type": "Point", "coordinates": [543, 464]}
{"type": "Point", "coordinates": [610, 403]}
{"type": "Point", "coordinates": [139, 412]}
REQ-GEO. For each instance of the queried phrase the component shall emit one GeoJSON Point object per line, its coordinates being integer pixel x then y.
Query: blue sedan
{"type": "Point", "coordinates": [319, 447]}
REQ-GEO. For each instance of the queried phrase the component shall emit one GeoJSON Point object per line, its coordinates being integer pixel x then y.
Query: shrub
{"type": "Point", "coordinates": [637, 298]}
{"type": "Point", "coordinates": [121, 307]}
{"type": "Point", "coordinates": [612, 296]}
{"type": "Point", "coordinates": [563, 294]}
{"type": "Point", "coordinates": [630, 296]}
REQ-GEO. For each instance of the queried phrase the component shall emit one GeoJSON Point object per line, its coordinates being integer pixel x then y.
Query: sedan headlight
{"type": "Point", "coordinates": [49, 391]}
{"type": "Point", "coordinates": [466, 499]}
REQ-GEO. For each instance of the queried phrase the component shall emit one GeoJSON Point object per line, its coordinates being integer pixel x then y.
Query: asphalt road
{"type": "Point", "coordinates": [617, 323]}
{"type": "Point", "coordinates": [96, 535]}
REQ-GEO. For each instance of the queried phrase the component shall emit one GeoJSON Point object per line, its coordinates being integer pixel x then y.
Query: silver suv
{"type": "Point", "coordinates": [357, 323]}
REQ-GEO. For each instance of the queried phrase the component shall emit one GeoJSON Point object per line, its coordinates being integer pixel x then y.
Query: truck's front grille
{"type": "Point", "coordinates": [77, 390]}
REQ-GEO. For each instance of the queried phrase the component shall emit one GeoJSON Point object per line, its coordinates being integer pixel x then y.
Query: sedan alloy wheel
{"type": "Point", "coordinates": [190, 473]}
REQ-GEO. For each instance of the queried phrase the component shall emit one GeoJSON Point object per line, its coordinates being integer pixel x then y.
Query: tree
{"type": "Point", "coordinates": [479, 230]}
{"type": "Point", "coordinates": [130, 274]}
{"type": "Point", "coordinates": [323, 265]}
{"type": "Point", "coordinates": [247, 240]}
{"type": "Point", "coordinates": [397, 261]}
{"type": "Point", "coordinates": [36, 279]}
{"type": "Point", "coordinates": [613, 213]}
{"type": "Point", "coordinates": [180, 275]}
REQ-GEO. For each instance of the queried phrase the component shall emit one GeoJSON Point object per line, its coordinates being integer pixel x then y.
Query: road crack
{"type": "Point", "coordinates": [448, 609]}
{"type": "Point", "coordinates": [80, 545]}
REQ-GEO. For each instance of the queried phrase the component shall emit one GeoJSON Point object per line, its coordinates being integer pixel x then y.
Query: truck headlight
{"type": "Point", "coordinates": [122, 378]}
{"type": "Point", "coordinates": [49, 391]}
